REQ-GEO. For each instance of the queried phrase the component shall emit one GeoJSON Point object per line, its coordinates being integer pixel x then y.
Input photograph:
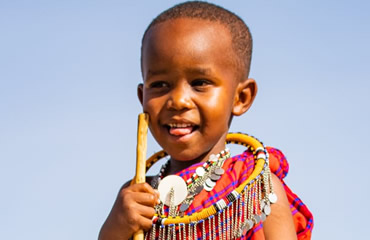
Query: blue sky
{"type": "Point", "coordinates": [68, 108]}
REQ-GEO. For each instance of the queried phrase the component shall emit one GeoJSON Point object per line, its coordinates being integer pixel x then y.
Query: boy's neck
{"type": "Point", "coordinates": [176, 165]}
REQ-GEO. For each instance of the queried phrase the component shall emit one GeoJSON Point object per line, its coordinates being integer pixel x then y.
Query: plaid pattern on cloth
{"type": "Point", "coordinates": [237, 169]}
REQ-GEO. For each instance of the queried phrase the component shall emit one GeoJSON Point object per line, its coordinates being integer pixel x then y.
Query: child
{"type": "Point", "coordinates": [195, 64]}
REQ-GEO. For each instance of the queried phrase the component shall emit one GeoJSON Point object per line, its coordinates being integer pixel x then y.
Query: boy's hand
{"type": "Point", "coordinates": [132, 210]}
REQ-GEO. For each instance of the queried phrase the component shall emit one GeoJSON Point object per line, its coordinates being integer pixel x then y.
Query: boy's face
{"type": "Point", "coordinates": [190, 84]}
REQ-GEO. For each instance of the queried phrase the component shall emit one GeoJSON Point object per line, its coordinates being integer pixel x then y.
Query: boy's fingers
{"type": "Point", "coordinates": [140, 217]}
{"type": "Point", "coordinates": [147, 199]}
{"type": "Point", "coordinates": [142, 187]}
{"type": "Point", "coordinates": [145, 223]}
{"type": "Point", "coordinates": [139, 222]}
{"type": "Point", "coordinates": [150, 196]}
{"type": "Point", "coordinates": [147, 212]}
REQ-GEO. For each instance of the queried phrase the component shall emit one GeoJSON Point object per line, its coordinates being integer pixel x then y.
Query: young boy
{"type": "Point", "coordinates": [195, 64]}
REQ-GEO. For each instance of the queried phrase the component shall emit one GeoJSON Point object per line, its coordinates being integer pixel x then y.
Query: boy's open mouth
{"type": "Point", "coordinates": [181, 129]}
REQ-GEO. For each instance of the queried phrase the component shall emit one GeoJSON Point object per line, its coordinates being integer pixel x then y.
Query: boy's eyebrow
{"type": "Point", "coordinates": [193, 70]}
{"type": "Point", "coordinates": [157, 72]}
{"type": "Point", "coordinates": [198, 70]}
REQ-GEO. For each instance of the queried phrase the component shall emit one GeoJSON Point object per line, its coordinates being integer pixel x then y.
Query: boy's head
{"type": "Point", "coordinates": [240, 34]}
{"type": "Point", "coordinates": [193, 82]}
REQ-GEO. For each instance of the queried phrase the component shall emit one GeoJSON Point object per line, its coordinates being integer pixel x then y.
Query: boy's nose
{"type": "Point", "coordinates": [180, 99]}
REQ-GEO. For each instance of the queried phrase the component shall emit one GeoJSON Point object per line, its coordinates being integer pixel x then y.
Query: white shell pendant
{"type": "Point", "coordinates": [177, 184]}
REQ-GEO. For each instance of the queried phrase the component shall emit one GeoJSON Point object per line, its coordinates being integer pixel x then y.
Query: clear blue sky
{"type": "Point", "coordinates": [68, 108]}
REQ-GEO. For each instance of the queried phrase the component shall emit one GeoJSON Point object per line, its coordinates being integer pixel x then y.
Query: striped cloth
{"type": "Point", "coordinates": [238, 168]}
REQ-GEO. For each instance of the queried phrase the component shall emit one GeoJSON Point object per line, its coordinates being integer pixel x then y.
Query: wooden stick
{"type": "Point", "coordinates": [142, 131]}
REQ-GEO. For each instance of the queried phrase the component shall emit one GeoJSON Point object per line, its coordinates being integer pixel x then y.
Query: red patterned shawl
{"type": "Point", "coordinates": [238, 168]}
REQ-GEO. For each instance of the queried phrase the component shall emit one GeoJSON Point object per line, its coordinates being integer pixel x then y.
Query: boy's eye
{"type": "Point", "coordinates": [200, 83]}
{"type": "Point", "coordinates": [158, 84]}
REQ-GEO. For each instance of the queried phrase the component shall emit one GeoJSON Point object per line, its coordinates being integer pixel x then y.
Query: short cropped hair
{"type": "Point", "coordinates": [240, 34]}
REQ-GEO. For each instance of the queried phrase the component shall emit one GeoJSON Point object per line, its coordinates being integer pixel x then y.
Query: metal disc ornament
{"type": "Point", "coordinates": [272, 197]}
{"type": "Point", "coordinates": [249, 224]}
{"type": "Point", "coordinates": [215, 177]}
{"type": "Point", "coordinates": [219, 171]}
{"type": "Point", "coordinates": [263, 217]}
{"type": "Point", "coordinates": [263, 204]}
{"type": "Point", "coordinates": [177, 184]}
{"type": "Point", "coordinates": [267, 210]}
{"type": "Point", "coordinates": [200, 171]}
{"type": "Point", "coordinates": [207, 188]}
{"type": "Point", "coordinates": [257, 218]}
{"type": "Point", "coordinates": [210, 183]}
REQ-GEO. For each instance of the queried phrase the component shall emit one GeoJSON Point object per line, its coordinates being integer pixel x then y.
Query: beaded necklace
{"type": "Point", "coordinates": [204, 177]}
{"type": "Point", "coordinates": [237, 213]}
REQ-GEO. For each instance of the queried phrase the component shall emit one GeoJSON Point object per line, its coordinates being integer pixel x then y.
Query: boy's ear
{"type": "Point", "coordinates": [245, 93]}
{"type": "Point", "coordinates": [140, 92]}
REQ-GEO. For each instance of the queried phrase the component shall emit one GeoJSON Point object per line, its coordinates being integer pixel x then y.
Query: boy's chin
{"type": "Point", "coordinates": [186, 158]}
{"type": "Point", "coordinates": [186, 155]}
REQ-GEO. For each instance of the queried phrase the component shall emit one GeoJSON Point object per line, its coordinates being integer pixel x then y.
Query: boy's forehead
{"type": "Point", "coordinates": [173, 35]}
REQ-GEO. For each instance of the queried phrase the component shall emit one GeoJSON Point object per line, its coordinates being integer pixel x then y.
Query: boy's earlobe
{"type": "Point", "coordinates": [245, 93]}
{"type": "Point", "coordinates": [140, 90]}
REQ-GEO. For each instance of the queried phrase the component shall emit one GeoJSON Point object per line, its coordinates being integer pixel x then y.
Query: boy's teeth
{"type": "Point", "coordinates": [179, 125]}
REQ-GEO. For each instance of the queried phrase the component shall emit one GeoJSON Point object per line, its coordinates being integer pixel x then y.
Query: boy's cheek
{"type": "Point", "coordinates": [152, 105]}
{"type": "Point", "coordinates": [153, 116]}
